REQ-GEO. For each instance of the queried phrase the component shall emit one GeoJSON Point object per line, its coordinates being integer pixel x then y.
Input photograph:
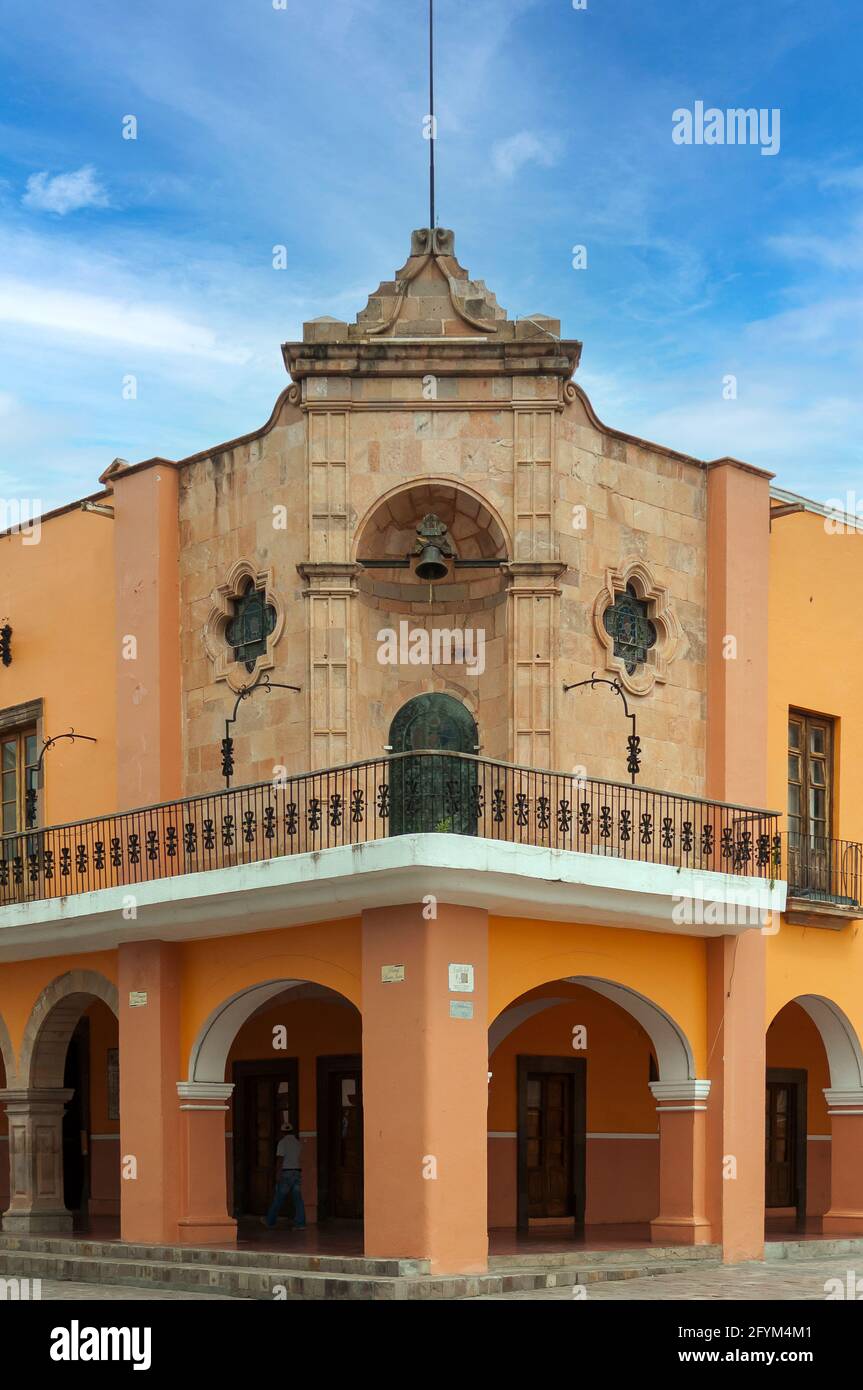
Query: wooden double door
{"type": "Point", "coordinates": [265, 1093]}
{"type": "Point", "coordinates": [551, 1138]}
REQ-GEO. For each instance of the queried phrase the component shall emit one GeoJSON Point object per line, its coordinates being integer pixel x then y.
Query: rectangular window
{"type": "Point", "coordinates": [18, 757]}
{"type": "Point", "coordinates": [810, 776]}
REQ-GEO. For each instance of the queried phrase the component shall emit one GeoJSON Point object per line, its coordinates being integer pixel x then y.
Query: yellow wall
{"type": "Point", "coordinates": [315, 1027]}
{"type": "Point", "coordinates": [794, 1041]}
{"type": "Point", "coordinates": [669, 970]}
{"type": "Point", "coordinates": [815, 666]}
{"type": "Point", "coordinates": [617, 1054]}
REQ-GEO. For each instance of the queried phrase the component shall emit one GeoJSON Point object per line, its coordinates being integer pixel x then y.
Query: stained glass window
{"type": "Point", "coordinates": [634, 634]}
{"type": "Point", "coordinates": [253, 621]}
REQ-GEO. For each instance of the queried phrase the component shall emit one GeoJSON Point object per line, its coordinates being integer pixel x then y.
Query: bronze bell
{"type": "Point", "coordinates": [433, 548]}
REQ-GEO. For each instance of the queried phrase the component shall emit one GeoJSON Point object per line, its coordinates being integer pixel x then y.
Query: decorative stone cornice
{"type": "Point", "coordinates": [685, 1091]}
{"type": "Point", "coordinates": [330, 577]}
{"type": "Point", "coordinates": [844, 1102]}
{"type": "Point", "coordinates": [204, 1095]}
{"type": "Point", "coordinates": [635, 572]}
{"type": "Point", "coordinates": [534, 576]}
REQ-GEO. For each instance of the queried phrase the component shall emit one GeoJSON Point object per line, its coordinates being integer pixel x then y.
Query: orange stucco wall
{"type": "Point", "coordinates": [58, 596]}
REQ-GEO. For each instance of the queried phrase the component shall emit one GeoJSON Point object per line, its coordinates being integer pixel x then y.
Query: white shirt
{"type": "Point", "coordinates": [288, 1150]}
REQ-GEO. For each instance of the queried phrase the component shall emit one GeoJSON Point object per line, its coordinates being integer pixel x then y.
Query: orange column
{"type": "Point", "coordinates": [147, 586]}
{"type": "Point", "coordinates": [682, 1111]}
{"type": "Point", "coordinates": [204, 1218]}
{"type": "Point", "coordinates": [425, 1085]}
{"type": "Point", "coordinates": [149, 987]}
{"type": "Point", "coordinates": [738, 503]}
{"type": "Point", "coordinates": [845, 1216]}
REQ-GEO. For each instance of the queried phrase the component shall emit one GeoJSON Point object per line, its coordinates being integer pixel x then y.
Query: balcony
{"type": "Point", "coordinates": [512, 838]}
{"type": "Point", "coordinates": [825, 879]}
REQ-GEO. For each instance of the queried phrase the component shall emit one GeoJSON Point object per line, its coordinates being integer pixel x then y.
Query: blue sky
{"type": "Point", "coordinates": [302, 126]}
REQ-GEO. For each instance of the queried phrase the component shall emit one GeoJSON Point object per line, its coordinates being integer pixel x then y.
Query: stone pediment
{"type": "Point", "coordinates": [431, 296]}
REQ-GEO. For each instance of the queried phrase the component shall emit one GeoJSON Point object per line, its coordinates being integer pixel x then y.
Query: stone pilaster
{"type": "Point", "coordinates": [330, 591]}
{"type": "Point", "coordinates": [534, 432]}
{"type": "Point", "coordinates": [36, 1160]}
{"type": "Point", "coordinates": [533, 598]}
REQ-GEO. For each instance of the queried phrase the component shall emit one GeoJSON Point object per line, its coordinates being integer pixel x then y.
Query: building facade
{"type": "Point", "coordinates": [462, 778]}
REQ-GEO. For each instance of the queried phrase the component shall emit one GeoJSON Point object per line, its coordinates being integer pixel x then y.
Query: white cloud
{"type": "Point", "coordinates": [65, 192]}
{"type": "Point", "coordinates": [510, 155]}
{"type": "Point", "coordinates": [118, 320]}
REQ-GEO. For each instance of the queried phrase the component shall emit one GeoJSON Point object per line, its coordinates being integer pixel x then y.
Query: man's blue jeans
{"type": "Point", "coordinates": [288, 1182]}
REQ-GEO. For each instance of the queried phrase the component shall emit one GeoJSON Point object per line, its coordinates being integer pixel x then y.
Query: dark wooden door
{"type": "Point", "coordinates": [264, 1092]}
{"type": "Point", "coordinates": [76, 1123]}
{"type": "Point", "coordinates": [340, 1137]}
{"type": "Point", "coordinates": [551, 1138]}
{"type": "Point", "coordinates": [785, 1140]}
{"type": "Point", "coordinates": [346, 1143]}
{"type": "Point", "coordinates": [437, 793]}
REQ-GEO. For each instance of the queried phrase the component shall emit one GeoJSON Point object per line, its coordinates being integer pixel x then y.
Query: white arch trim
{"type": "Point", "coordinates": [674, 1057]}
{"type": "Point", "coordinates": [844, 1054]}
{"type": "Point", "coordinates": [213, 1043]}
{"type": "Point", "coordinates": [210, 1049]}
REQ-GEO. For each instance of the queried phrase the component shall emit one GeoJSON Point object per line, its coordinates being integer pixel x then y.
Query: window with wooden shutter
{"type": "Point", "coordinates": [18, 756]}
{"type": "Point", "coordinates": [810, 776]}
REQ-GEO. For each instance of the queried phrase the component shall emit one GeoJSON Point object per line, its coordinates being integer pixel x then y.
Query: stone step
{"type": "Point", "coordinates": [823, 1248]}
{"type": "Point", "coordinates": [255, 1282]}
{"type": "Point", "coordinates": [648, 1256]}
{"type": "Point", "coordinates": [209, 1255]}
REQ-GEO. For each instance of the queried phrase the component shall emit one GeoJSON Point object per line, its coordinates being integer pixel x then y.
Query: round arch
{"type": "Point", "coordinates": [841, 1043]}
{"type": "Point", "coordinates": [52, 1022]}
{"type": "Point", "coordinates": [431, 493]}
{"type": "Point", "coordinates": [438, 720]}
{"type": "Point", "coordinates": [674, 1056]}
{"type": "Point", "coordinates": [210, 1049]}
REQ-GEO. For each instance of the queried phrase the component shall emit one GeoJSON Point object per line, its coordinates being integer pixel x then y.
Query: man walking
{"type": "Point", "coordinates": [288, 1179]}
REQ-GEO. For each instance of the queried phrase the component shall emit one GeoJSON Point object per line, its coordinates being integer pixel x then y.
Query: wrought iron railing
{"type": "Point", "coordinates": [397, 795]}
{"type": "Point", "coordinates": [821, 869]}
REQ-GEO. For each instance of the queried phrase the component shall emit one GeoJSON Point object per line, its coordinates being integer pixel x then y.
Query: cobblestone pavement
{"type": "Point", "coordinates": [780, 1279]}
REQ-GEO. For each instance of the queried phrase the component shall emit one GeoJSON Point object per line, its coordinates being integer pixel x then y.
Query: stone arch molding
{"type": "Point", "coordinates": [210, 1049]}
{"type": "Point", "coordinates": [413, 497]}
{"type": "Point", "coordinates": [674, 1056]}
{"type": "Point", "coordinates": [234, 673]}
{"type": "Point", "coordinates": [636, 572]}
{"type": "Point", "coordinates": [52, 1022]}
{"type": "Point", "coordinates": [842, 1045]}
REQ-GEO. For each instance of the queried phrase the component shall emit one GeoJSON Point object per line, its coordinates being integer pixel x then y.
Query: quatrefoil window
{"type": "Point", "coordinates": [627, 623]}
{"type": "Point", "coordinates": [252, 623]}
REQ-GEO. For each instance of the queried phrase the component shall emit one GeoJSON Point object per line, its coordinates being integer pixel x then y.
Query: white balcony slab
{"type": "Point", "coordinates": [508, 879]}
